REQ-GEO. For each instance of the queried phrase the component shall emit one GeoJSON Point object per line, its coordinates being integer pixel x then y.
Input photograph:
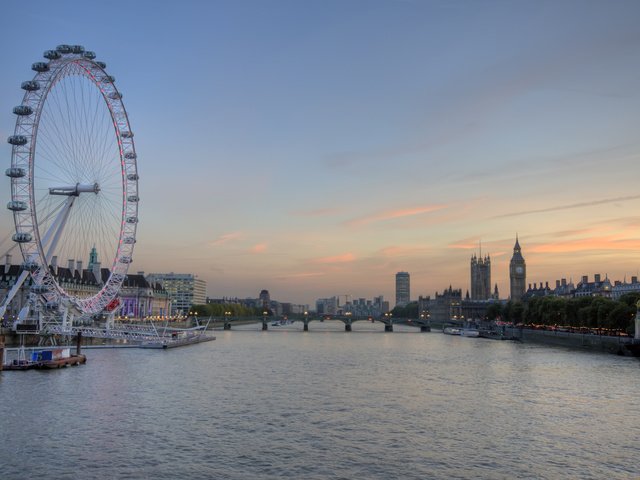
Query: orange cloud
{"type": "Point", "coordinates": [395, 251]}
{"type": "Point", "coordinates": [580, 245]}
{"type": "Point", "coordinates": [392, 214]}
{"type": "Point", "coordinates": [259, 248]}
{"type": "Point", "coordinates": [227, 237]}
{"type": "Point", "coordinates": [344, 258]}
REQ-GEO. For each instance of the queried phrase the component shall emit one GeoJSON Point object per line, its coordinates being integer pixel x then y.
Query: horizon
{"type": "Point", "coordinates": [315, 149]}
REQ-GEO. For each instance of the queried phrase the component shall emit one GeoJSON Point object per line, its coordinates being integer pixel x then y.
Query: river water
{"type": "Point", "coordinates": [326, 404]}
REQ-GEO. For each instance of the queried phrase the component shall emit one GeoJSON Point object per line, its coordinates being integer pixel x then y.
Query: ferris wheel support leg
{"type": "Point", "coordinates": [57, 228]}
{"type": "Point", "coordinates": [65, 316]}
{"type": "Point", "coordinates": [12, 293]}
{"type": "Point", "coordinates": [110, 321]}
{"type": "Point", "coordinates": [23, 315]}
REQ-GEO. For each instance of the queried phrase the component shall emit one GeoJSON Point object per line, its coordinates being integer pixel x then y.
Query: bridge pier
{"type": "Point", "coordinates": [227, 326]}
{"type": "Point", "coordinates": [347, 327]}
{"type": "Point", "coordinates": [265, 326]}
{"type": "Point", "coordinates": [306, 327]}
{"type": "Point", "coordinates": [1, 351]}
{"type": "Point", "coordinates": [388, 327]}
{"type": "Point", "coordinates": [425, 328]}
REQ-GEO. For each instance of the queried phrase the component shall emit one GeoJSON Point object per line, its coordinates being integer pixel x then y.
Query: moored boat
{"type": "Point", "coordinates": [44, 358]}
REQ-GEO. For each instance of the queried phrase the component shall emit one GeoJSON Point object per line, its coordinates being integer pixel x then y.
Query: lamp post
{"type": "Point", "coordinates": [347, 324]}
{"type": "Point", "coordinates": [264, 319]}
{"type": "Point", "coordinates": [306, 321]}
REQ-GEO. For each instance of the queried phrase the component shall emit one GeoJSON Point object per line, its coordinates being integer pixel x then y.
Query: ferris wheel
{"type": "Point", "coordinates": [74, 184]}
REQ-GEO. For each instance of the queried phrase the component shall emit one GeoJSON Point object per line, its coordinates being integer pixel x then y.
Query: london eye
{"type": "Point", "coordinates": [74, 183]}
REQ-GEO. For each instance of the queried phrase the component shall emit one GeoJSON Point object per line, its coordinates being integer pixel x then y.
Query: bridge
{"type": "Point", "coordinates": [423, 324]}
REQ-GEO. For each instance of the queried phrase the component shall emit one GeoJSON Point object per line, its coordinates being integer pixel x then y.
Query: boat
{"type": "Point", "coordinates": [280, 323]}
{"type": "Point", "coordinates": [451, 330]}
{"type": "Point", "coordinates": [469, 332]}
{"type": "Point", "coordinates": [178, 339]}
{"type": "Point", "coordinates": [44, 358]}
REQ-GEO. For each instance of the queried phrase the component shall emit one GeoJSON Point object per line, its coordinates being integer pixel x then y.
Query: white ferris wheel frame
{"type": "Point", "coordinates": [65, 61]}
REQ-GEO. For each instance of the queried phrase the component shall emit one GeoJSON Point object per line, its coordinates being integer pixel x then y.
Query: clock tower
{"type": "Point", "coordinates": [517, 273]}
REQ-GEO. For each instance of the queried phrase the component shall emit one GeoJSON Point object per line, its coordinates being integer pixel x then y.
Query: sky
{"type": "Point", "coordinates": [316, 148]}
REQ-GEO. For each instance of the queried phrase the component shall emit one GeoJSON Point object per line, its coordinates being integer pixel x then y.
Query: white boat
{"type": "Point", "coordinates": [451, 330]}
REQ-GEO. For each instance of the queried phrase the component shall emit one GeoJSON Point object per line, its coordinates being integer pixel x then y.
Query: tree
{"type": "Point", "coordinates": [517, 313]}
{"type": "Point", "coordinates": [621, 317]}
{"type": "Point", "coordinates": [494, 311]}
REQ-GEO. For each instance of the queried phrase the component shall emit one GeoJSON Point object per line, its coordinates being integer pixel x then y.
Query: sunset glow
{"type": "Point", "coordinates": [317, 148]}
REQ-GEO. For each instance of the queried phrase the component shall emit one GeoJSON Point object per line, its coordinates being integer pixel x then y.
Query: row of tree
{"type": "Point", "coordinates": [591, 312]}
{"type": "Point", "coordinates": [410, 310]}
{"type": "Point", "coordinates": [227, 309]}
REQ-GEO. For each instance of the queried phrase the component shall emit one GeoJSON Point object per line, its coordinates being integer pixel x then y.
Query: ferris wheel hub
{"type": "Point", "coordinates": [75, 190]}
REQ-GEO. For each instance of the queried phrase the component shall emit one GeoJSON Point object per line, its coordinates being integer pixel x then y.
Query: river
{"type": "Point", "coordinates": [326, 404]}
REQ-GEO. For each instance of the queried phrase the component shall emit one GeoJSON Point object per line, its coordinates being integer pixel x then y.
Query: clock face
{"type": "Point", "coordinates": [519, 269]}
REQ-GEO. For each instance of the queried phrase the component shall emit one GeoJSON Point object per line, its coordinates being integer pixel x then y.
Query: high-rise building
{"type": "Point", "coordinates": [403, 291]}
{"type": "Point", "coordinates": [517, 273]}
{"type": "Point", "coordinates": [480, 277]}
{"type": "Point", "coordinates": [184, 289]}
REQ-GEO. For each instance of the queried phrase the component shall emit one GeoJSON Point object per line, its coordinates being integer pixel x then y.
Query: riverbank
{"type": "Point", "coordinates": [584, 341]}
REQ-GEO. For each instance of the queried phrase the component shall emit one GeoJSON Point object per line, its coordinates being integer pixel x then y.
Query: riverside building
{"type": "Point", "coordinates": [480, 277]}
{"type": "Point", "coordinates": [184, 290]}
{"type": "Point", "coordinates": [138, 297]}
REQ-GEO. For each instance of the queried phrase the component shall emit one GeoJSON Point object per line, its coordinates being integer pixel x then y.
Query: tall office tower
{"type": "Point", "coordinates": [480, 278]}
{"type": "Point", "coordinates": [517, 273]}
{"type": "Point", "coordinates": [403, 295]}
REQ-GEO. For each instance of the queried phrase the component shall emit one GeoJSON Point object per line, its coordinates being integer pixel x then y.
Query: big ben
{"type": "Point", "coordinates": [517, 273]}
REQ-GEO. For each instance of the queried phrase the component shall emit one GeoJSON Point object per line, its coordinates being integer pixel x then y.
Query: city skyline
{"type": "Point", "coordinates": [318, 148]}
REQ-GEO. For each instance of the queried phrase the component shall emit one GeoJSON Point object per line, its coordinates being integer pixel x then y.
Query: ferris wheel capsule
{"type": "Point", "coordinates": [23, 110]}
{"type": "Point", "coordinates": [52, 54]}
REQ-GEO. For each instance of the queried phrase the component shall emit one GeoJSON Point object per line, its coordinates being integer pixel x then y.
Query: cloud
{"type": "Point", "coordinates": [393, 214]}
{"type": "Point", "coordinates": [258, 248]}
{"type": "Point", "coordinates": [396, 251]}
{"type": "Point", "coordinates": [570, 206]}
{"type": "Point", "coordinates": [344, 258]}
{"type": "Point", "coordinates": [465, 243]}
{"type": "Point", "coordinates": [586, 244]}
{"type": "Point", "coordinates": [227, 237]}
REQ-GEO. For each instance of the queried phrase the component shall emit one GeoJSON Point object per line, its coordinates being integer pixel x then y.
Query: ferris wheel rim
{"type": "Point", "coordinates": [67, 61]}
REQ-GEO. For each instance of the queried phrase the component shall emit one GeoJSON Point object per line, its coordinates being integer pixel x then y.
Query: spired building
{"type": "Point", "coordinates": [517, 273]}
{"type": "Point", "coordinates": [480, 278]}
{"type": "Point", "coordinates": [403, 296]}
